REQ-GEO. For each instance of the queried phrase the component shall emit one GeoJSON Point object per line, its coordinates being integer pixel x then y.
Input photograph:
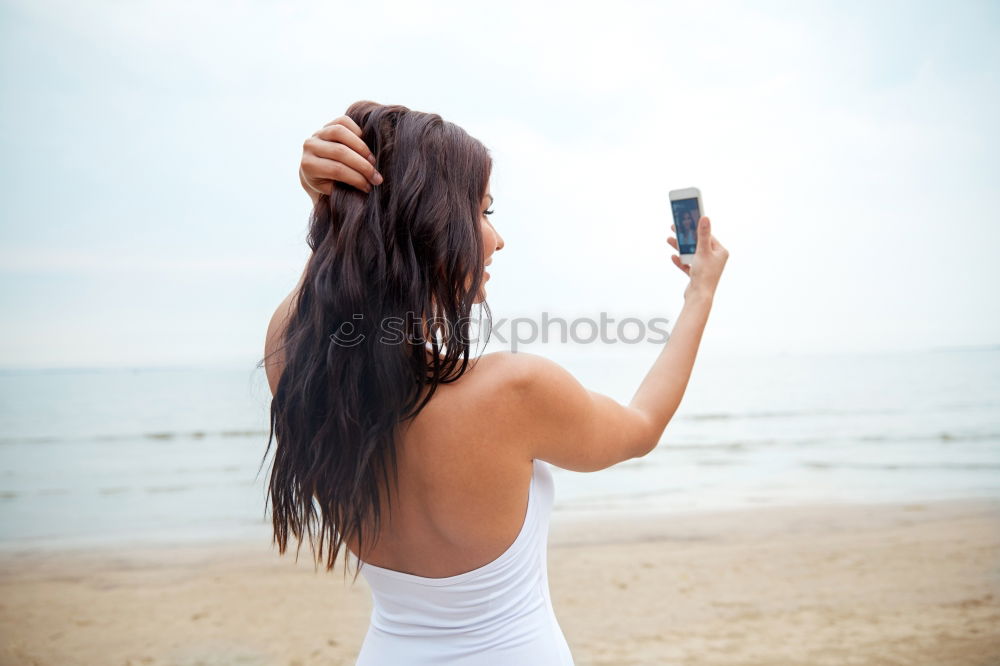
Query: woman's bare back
{"type": "Point", "coordinates": [463, 492]}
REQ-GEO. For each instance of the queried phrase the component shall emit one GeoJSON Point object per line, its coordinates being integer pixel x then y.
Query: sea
{"type": "Point", "coordinates": [147, 456]}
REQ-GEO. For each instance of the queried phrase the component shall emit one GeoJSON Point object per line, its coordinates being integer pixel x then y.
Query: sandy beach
{"type": "Point", "coordinates": [915, 583]}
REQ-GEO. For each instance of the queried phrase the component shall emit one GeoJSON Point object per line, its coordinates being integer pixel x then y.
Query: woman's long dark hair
{"type": "Point", "coordinates": [391, 271]}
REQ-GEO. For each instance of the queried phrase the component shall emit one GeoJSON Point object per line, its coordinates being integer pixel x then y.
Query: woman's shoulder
{"type": "Point", "coordinates": [514, 370]}
{"type": "Point", "coordinates": [518, 383]}
{"type": "Point", "coordinates": [494, 382]}
{"type": "Point", "coordinates": [480, 405]}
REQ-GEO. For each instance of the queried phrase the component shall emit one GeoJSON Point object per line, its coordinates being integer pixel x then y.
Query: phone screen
{"type": "Point", "coordinates": [686, 216]}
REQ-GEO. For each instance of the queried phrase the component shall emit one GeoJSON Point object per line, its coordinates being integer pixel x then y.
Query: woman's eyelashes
{"type": "Point", "coordinates": [487, 212]}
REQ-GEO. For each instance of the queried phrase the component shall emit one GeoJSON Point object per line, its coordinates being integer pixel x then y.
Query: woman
{"type": "Point", "coordinates": [432, 468]}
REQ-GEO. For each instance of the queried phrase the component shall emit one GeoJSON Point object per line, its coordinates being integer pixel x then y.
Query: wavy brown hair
{"type": "Point", "coordinates": [391, 271]}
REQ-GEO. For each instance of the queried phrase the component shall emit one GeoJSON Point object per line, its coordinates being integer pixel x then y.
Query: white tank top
{"type": "Point", "coordinates": [497, 615]}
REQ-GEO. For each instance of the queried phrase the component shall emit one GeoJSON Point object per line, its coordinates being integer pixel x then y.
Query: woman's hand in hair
{"type": "Point", "coordinates": [337, 153]}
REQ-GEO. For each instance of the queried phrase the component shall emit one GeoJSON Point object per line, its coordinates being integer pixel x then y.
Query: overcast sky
{"type": "Point", "coordinates": [847, 153]}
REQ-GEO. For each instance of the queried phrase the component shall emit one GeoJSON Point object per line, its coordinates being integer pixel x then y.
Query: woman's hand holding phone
{"type": "Point", "coordinates": [336, 152]}
{"type": "Point", "coordinates": [708, 263]}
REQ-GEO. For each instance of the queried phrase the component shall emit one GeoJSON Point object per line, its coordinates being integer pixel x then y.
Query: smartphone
{"type": "Point", "coordinates": [687, 209]}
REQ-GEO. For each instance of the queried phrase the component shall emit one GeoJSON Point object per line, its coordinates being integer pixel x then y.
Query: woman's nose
{"type": "Point", "coordinates": [499, 240]}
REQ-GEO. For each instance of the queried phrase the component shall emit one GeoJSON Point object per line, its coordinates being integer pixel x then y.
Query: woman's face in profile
{"type": "Point", "coordinates": [492, 240]}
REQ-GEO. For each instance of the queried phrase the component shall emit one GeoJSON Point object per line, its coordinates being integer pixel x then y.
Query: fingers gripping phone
{"type": "Point", "coordinates": [687, 209]}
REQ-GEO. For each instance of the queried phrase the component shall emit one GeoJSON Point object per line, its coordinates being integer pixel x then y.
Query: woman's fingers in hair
{"type": "Point", "coordinates": [347, 122]}
{"type": "Point", "coordinates": [344, 147]}
{"type": "Point", "coordinates": [338, 133]}
{"type": "Point", "coordinates": [324, 165]}
{"type": "Point", "coordinates": [336, 153]}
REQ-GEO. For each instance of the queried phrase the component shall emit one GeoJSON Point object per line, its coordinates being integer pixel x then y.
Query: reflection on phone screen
{"type": "Point", "coordinates": [686, 216]}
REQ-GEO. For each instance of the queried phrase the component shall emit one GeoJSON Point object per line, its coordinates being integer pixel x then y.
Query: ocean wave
{"type": "Point", "coordinates": [891, 466]}
{"type": "Point", "coordinates": [113, 491]}
{"type": "Point", "coordinates": [783, 414]}
{"type": "Point", "coordinates": [809, 413]}
{"type": "Point", "coordinates": [166, 435]}
{"type": "Point", "coordinates": [798, 442]}
{"type": "Point", "coordinates": [944, 436]}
